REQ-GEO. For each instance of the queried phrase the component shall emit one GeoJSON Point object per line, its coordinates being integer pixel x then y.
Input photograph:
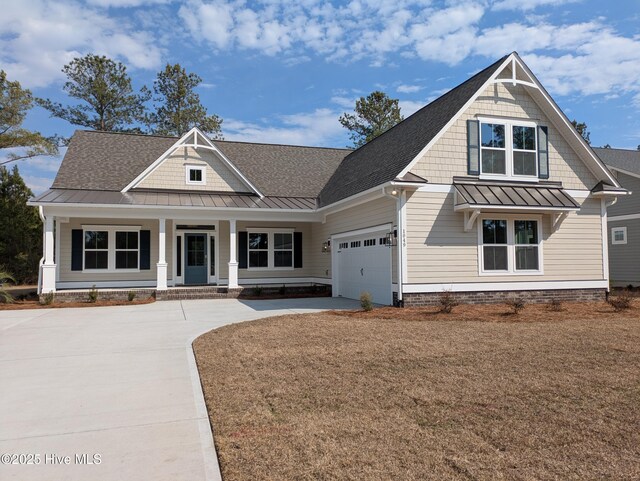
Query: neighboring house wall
{"type": "Point", "coordinates": [627, 204]}
{"type": "Point", "coordinates": [448, 156]}
{"type": "Point", "coordinates": [624, 259]}
{"type": "Point", "coordinates": [171, 174]}
{"type": "Point", "coordinates": [369, 214]}
{"type": "Point", "coordinates": [440, 251]}
{"type": "Point", "coordinates": [64, 264]}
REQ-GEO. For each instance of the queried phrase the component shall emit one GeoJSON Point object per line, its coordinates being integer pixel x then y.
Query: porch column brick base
{"type": "Point", "coordinates": [162, 276]}
{"type": "Point", "coordinates": [233, 275]}
{"type": "Point", "coordinates": [48, 278]}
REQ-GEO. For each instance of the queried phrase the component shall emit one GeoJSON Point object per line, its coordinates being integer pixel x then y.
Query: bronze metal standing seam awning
{"type": "Point", "coordinates": [473, 197]}
{"type": "Point", "coordinates": [173, 199]}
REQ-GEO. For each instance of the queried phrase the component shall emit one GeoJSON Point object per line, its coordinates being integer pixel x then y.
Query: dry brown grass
{"type": "Point", "coordinates": [555, 395]}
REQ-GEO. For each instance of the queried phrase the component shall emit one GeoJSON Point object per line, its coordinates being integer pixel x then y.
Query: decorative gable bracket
{"type": "Point", "coordinates": [196, 140]}
{"type": "Point", "coordinates": [470, 219]}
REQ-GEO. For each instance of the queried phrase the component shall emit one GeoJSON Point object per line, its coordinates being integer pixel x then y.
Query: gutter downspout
{"type": "Point", "coordinates": [605, 240]}
{"type": "Point", "coordinates": [400, 197]}
{"type": "Point", "coordinates": [41, 214]}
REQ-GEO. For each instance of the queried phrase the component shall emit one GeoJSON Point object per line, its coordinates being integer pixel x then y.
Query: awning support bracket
{"type": "Point", "coordinates": [470, 218]}
{"type": "Point", "coordinates": [557, 219]}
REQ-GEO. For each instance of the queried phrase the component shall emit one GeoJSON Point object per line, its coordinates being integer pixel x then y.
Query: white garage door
{"type": "Point", "coordinates": [363, 263]}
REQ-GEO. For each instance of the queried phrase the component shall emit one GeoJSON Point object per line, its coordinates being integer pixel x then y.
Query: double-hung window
{"type": "Point", "coordinates": [258, 249]}
{"type": "Point", "coordinates": [96, 249]}
{"type": "Point", "coordinates": [510, 245]}
{"type": "Point", "coordinates": [126, 250]}
{"type": "Point", "coordinates": [270, 249]}
{"type": "Point", "coordinates": [508, 149]}
{"type": "Point", "coordinates": [111, 248]}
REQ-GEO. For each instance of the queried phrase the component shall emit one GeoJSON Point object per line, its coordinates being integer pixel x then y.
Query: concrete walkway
{"type": "Point", "coordinates": [116, 382]}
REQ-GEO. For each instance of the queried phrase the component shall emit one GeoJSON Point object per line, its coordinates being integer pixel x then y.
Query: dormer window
{"type": "Point", "coordinates": [196, 174]}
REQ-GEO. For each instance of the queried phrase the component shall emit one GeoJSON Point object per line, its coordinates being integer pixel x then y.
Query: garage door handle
{"type": "Point", "coordinates": [362, 271]}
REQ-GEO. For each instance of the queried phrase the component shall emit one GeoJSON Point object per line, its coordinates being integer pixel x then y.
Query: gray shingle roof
{"type": "Point", "coordinates": [103, 161]}
{"type": "Point", "coordinates": [382, 159]}
{"type": "Point", "coordinates": [110, 161]}
{"type": "Point", "coordinates": [624, 159]}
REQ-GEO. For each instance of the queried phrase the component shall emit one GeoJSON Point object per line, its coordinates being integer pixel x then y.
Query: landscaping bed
{"type": "Point", "coordinates": [36, 304]}
{"type": "Point", "coordinates": [413, 394]}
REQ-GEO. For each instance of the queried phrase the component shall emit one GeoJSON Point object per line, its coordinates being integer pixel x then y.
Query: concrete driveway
{"type": "Point", "coordinates": [116, 387]}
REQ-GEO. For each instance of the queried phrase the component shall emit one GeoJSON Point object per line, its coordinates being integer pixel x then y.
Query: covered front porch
{"type": "Point", "coordinates": [187, 257]}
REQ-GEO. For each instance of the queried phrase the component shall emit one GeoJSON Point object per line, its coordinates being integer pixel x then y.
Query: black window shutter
{"type": "Point", "coordinates": [145, 250]}
{"type": "Point", "coordinates": [543, 152]}
{"type": "Point", "coordinates": [243, 245]}
{"type": "Point", "coordinates": [473, 147]}
{"type": "Point", "coordinates": [179, 255]}
{"type": "Point", "coordinates": [77, 241]}
{"type": "Point", "coordinates": [297, 250]}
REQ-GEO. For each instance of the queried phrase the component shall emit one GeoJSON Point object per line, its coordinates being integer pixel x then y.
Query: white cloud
{"type": "Point", "coordinates": [320, 128]}
{"type": "Point", "coordinates": [37, 184]}
{"type": "Point", "coordinates": [528, 4]}
{"type": "Point", "coordinates": [126, 3]}
{"type": "Point", "coordinates": [37, 37]}
{"type": "Point", "coordinates": [408, 89]}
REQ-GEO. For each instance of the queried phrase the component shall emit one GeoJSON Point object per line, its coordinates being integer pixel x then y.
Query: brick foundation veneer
{"type": "Point", "coordinates": [103, 294]}
{"type": "Point", "coordinates": [496, 297]}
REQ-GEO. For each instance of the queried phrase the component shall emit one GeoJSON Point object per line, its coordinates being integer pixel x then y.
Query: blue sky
{"type": "Point", "coordinates": [283, 71]}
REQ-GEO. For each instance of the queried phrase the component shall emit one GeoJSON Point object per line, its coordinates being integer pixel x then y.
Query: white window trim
{"type": "Point", "coordinates": [270, 251]}
{"type": "Point", "coordinates": [111, 247]}
{"type": "Point", "coordinates": [613, 235]}
{"type": "Point", "coordinates": [187, 170]}
{"type": "Point", "coordinates": [511, 245]}
{"type": "Point", "coordinates": [508, 123]}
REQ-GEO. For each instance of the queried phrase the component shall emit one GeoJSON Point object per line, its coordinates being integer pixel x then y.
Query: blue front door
{"type": "Point", "coordinates": [195, 262]}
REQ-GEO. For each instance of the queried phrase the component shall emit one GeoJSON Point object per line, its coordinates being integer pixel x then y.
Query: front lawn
{"type": "Point", "coordinates": [541, 395]}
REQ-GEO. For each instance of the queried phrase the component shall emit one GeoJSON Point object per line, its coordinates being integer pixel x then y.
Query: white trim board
{"type": "Point", "coordinates": [102, 284]}
{"type": "Point", "coordinates": [615, 218]}
{"type": "Point", "coordinates": [504, 286]}
{"type": "Point", "coordinates": [357, 232]}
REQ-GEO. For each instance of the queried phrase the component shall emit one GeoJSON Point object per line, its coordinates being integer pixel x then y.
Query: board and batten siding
{"type": "Point", "coordinates": [440, 251]}
{"type": "Point", "coordinates": [369, 214]}
{"type": "Point", "coordinates": [64, 263]}
{"type": "Point", "coordinates": [624, 259]}
{"type": "Point", "coordinates": [171, 174]}
{"type": "Point", "coordinates": [627, 204]}
{"type": "Point", "coordinates": [448, 156]}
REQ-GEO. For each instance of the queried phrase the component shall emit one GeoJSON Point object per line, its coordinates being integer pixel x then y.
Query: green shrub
{"type": "Point", "coordinates": [47, 299]}
{"type": "Point", "coordinates": [447, 302]}
{"type": "Point", "coordinates": [4, 295]}
{"type": "Point", "coordinates": [93, 294]}
{"type": "Point", "coordinates": [555, 305]}
{"type": "Point", "coordinates": [366, 302]}
{"type": "Point", "coordinates": [131, 296]}
{"type": "Point", "coordinates": [516, 304]}
{"type": "Point", "coordinates": [257, 291]}
{"type": "Point", "coordinates": [621, 301]}
{"type": "Point", "coordinates": [282, 290]}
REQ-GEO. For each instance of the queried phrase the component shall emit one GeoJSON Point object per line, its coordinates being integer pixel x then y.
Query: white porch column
{"type": "Point", "coordinates": [48, 267]}
{"type": "Point", "coordinates": [233, 258]}
{"type": "Point", "coordinates": [161, 284]}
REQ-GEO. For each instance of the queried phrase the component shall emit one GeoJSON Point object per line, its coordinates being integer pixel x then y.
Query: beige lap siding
{"type": "Point", "coordinates": [64, 264]}
{"type": "Point", "coordinates": [369, 214]}
{"type": "Point", "coordinates": [171, 174]}
{"type": "Point", "coordinates": [440, 251]}
{"type": "Point", "coordinates": [448, 156]}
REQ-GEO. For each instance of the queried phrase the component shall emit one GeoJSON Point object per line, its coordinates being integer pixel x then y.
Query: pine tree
{"type": "Point", "coordinates": [374, 115]}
